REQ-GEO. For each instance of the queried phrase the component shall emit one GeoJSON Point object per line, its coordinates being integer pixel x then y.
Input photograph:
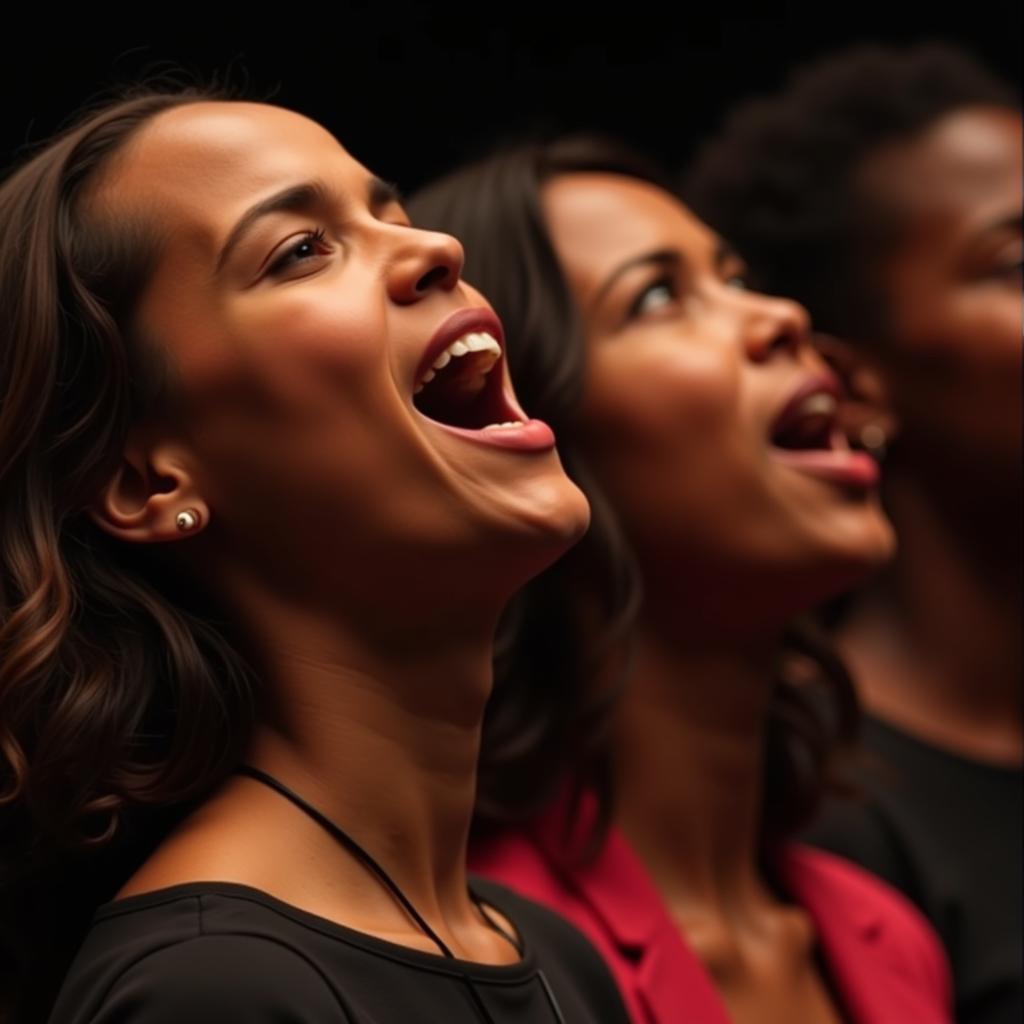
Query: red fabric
{"type": "Point", "coordinates": [886, 962]}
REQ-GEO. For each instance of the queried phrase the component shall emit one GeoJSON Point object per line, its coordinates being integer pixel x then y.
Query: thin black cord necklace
{"type": "Point", "coordinates": [389, 883]}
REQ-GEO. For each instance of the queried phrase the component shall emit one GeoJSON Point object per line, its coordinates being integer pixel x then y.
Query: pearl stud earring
{"type": "Point", "coordinates": [187, 520]}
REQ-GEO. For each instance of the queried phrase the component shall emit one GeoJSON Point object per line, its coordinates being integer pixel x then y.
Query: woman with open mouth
{"type": "Point", "coordinates": [659, 728]}
{"type": "Point", "coordinates": [265, 490]}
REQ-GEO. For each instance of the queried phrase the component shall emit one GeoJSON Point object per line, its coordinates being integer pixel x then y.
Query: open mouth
{"type": "Point", "coordinates": [463, 386]}
{"type": "Point", "coordinates": [806, 436]}
{"type": "Point", "coordinates": [808, 423]}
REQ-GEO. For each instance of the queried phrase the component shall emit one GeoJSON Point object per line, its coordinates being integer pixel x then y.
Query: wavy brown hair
{"type": "Point", "coordinates": [122, 695]}
{"type": "Point", "coordinates": [563, 648]}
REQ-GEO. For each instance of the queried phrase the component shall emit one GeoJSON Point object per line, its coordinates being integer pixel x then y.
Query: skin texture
{"type": "Point", "coordinates": [945, 663]}
{"type": "Point", "coordinates": [363, 551]}
{"type": "Point", "coordinates": [680, 399]}
{"type": "Point", "coordinates": [686, 373]}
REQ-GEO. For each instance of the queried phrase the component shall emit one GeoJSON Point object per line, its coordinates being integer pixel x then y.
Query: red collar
{"type": "Point", "coordinates": [618, 888]}
{"type": "Point", "coordinates": [850, 922]}
{"type": "Point", "coordinates": [614, 883]}
{"type": "Point", "coordinates": [806, 877]}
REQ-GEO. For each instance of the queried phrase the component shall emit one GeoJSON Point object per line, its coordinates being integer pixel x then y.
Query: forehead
{"type": "Point", "coordinates": [197, 167]}
{"type": "Point", "coordinates": [967, 166]}
{"type": "Point", "coordinates": [598, 221]}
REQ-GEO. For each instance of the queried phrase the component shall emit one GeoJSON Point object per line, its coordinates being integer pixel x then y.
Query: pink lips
{"type": "Point", "coordinates": [533, 435]}
{"type": "Point", "coordinates": [836, 464]}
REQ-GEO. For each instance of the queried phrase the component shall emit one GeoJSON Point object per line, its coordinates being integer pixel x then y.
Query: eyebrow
{"type": "Point", "coordinates": [300, 198]}
{"type": "Point", "coordinates": [724, 252]}
{"type": "Point", "coordinates": [665, 257]}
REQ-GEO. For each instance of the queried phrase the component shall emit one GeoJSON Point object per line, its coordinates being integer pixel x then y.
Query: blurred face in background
{"type": "Point", "coordinates": [951, 289]}
{"type": "Point", "coordinates": [707, 417]}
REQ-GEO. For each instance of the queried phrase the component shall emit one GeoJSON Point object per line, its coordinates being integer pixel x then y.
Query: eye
{"type": "Point", "coordinates": [736, 274]}
{"type": "Point", "coordinates": [654, 296]}
{"type": "Point", "coordinates": [310, 240]}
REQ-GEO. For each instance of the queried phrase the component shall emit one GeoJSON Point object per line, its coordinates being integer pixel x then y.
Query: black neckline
{"type": "Point", "coordinates": [371, 864]}
{"type": "Point", "coordinates": [522, 969]}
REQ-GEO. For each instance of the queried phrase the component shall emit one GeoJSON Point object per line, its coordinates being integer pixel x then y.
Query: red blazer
{"type": "Point", "coordinates": [887, 964]}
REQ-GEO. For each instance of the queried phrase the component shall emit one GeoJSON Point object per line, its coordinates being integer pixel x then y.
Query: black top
{"type": "Point", "coordinates": [219, 952]}
{"type": "Point", "coordinates": [947, 831]}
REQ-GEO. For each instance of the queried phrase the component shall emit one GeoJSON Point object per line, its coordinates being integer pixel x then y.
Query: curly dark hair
{"type": "Point", "coordinates": [563, 646]}
{"type": "Point", "coordinates": [779, 180]}
{"type": "Point", "coordinates": [122, 695]}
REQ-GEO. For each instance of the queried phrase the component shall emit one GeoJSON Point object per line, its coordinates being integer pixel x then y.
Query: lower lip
{"type": "Point", "coordinates": [851, 469]}
{"type": "Point", "coordinates": [532, 436]}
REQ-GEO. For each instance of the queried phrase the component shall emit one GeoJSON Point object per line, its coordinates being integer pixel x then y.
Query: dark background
{"type": "Point", "coordinates": [412, 88]}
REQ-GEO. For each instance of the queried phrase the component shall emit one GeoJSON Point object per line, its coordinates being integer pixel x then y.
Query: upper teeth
{"type": "Point", "coordinates": [474, 342]}
{"type": "Point", "coordinates": [819, 404]}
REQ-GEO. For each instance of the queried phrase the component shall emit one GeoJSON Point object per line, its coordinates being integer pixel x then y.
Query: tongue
{"type": "Point", "coordinates": [805, 433]}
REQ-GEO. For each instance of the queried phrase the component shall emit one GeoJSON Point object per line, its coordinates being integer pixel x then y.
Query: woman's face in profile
{"type": "Point", "coordinates": [952, 287]}
{"type": "Point", "coordinates": [301, 320]}
{"type": "Point", "coordinates": [708, 418]}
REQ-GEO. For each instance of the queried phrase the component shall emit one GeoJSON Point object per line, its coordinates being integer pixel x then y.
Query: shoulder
{"type": "Point", "coordinates": [841, 894]}
{"type": "Point", "coordinates": [561, 951]}
{"type": "Point", "coordinates": [154, 961]}
{"type": "Point", "coordinates": [850, 887]}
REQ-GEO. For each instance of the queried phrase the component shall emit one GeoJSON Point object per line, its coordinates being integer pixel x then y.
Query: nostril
{"type": "Point", "coordinates": [786, 339]}
{"type": "Point", "coordinates": [431, 278]}
{"type": "Point", "coordinates": [768, 347]}
{"type": "Point", "coordinates": [781, 341]}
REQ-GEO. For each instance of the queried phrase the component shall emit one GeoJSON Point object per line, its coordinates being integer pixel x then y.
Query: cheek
{"type": "Point", "coordinates": [659, 395]}
{"type": "Point", "coordinates": [959, 325]}
{"type": "Point", "coordinates": [276, 367]}
{"type": "Point", "coordinates": [307, 341]}
{"type": "Point", "coordinates": [290, 387]}
{"type": "Point", "coordinates": [959, 363]}
{"type": "Point", "coordinates": [664, 430]}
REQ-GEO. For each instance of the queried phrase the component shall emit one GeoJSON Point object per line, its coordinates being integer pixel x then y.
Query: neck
{"type": "Point", "coordinates": [381, 735]}
{"type": "Point", "coordinates": [689, 764]}
{"type": "Point", "coordinates": [935, 646]}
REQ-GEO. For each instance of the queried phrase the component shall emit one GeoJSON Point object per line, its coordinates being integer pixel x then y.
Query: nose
{"type": "Point", "coordinates": [774, 326]}
{"type": "Point", "coordinates": [426, 261]}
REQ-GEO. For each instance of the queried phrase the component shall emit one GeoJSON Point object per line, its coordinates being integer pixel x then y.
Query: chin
{"type": "Point", "coordinates": [860, 555]}
{"type": "Point", "coordinates": [552, 517]}
{"type": "Point", "coordinates": [841, 553]}
{"type": "Point", "coordinates": [560, 513]}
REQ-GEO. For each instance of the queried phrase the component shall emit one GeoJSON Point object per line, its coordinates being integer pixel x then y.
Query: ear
{"type": "Point", "coordinates": [866, 415]}
{"type": "Point", "coordinates": [151, 488]}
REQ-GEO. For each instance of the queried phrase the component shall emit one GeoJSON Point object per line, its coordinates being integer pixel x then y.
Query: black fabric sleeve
{"type": "Point", "coordinates": [214, 979]}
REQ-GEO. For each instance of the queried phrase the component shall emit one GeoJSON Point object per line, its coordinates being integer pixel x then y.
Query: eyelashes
{"type": "Point", "coordinates": [666, 291]}
{"type": "Point", "coordinates": [309, 238]}
{"type": "Point", "coordinates": [648, 298]}
{"type": "Point", "coordinates": [315, 239]}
